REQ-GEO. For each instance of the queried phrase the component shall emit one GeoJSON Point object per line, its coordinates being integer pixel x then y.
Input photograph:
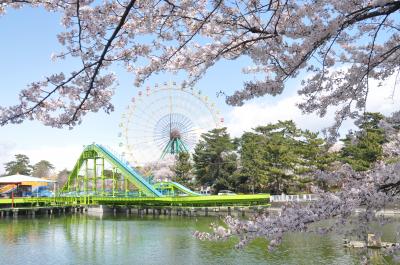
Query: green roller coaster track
{"type": "Point", "coordinates": [174, 189]}
{"type": "Point", "coordinates": [92, 183]}
{"type": "Point", "coordinates": [192, 201]}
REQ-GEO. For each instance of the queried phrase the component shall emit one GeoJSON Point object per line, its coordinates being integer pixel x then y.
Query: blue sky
{"type": "Point", "coordinates": [28, 38]}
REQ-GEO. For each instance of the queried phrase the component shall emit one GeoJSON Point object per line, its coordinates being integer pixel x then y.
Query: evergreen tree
{"type": "Point", "coordinates": [277, 157]}
{"type": "Point", "coordinates": [19, 166]}
{"type": "Point", "coordinates": [62, 177]}
{"type": "Point", "coordinates": [182, 169]}
{"type": "Point", "coordinates": [364, 147]}
{"type": "Point", "coordinates": [314, 156]}
{"type": "Point", "coordinates": [42, 169]}
{"type": "Point", "coordinates": [227, 178]}
{"type": "Point", "coordinates": [280, 155]}
{"type": "Point", "coordinates": [214, 160]}
{"type": "Point", "coordinates": [252, 176]}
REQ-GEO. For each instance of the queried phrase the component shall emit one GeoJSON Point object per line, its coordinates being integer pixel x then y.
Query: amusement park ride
{"type": "Point", "coordinates": [91, 183]}
{"type": "Point", "coordinates": [159, 122]}
{"type": "Point", "coordinates": [165, 120]}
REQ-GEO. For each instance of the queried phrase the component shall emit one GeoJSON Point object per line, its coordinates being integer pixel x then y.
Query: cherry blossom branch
{"type": "Point", "coordinates": [102, 56]}
{"type": "Point", "coordinates": [30, 110]}
{"type": "Point", "coordinates": [283, 38]}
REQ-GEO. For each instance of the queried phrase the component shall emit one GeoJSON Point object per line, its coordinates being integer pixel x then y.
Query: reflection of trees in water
{"type": "Point", "coordinates": [165, 240]}
{"type": "Point", "coordinates": [321, 249]}
{"type": "Point", "coordinates": [132, 240]}
{"type": "Point", "coordinates": [82, 239]}
{"type": "Point", "coordinates": [14, 231]}
{"type": "Point", "coordinates": [298, 248]}
{"type": "Point", "coordinates": [97, 240]}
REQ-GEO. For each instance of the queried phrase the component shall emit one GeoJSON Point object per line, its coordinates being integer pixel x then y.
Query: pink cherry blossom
{"type": "Point", "coordinates": [341, 44]}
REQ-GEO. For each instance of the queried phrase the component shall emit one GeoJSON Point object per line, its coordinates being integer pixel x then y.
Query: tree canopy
{"type": "Point", "coordinates": [363, 148]}
{"type": "Point", "coordinates": [18, 166]}
{"type": "Point", "coordinates": [182, 169]}
{"type": "Point", "coordinates": [342, 45]}
{"type": "Point", "coordinates": [42, 169]}
{"type": "Point", "coordinates": [215, 160]}
{"type": "Point", "coordinates": [339, 46]}
{"type": "Point", "coordinates": [275, 158]}
{"type": "Point", "coordinates": [372, 189]}
{"type": "Point", "coordinates": [62, 177]}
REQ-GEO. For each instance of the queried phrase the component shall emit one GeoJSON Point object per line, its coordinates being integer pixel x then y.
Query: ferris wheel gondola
{"type": "Point", "coordinates": [165, 120]}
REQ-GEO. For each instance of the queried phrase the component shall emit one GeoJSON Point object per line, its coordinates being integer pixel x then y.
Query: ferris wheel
{"type": "Point", "coordinates": [165, 120]}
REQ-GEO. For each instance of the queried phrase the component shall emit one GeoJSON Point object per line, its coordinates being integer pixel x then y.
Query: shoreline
{"type": "Point", "coordinates": [237, 211]}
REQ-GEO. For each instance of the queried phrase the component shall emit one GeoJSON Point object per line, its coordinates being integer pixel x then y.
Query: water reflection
{"type": "Point", "coordinates": [82, 239]}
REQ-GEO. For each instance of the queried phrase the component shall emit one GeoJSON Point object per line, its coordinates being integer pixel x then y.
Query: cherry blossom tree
{"type": "Point", "coordinates": [340, 44]}
{"type": "Point", "coordinates": [368, 192]}
{"type": "Point", "coordinates": [161, 170]}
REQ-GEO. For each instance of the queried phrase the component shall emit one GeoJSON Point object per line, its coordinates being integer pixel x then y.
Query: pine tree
{"type": "Point", "coordinates": [252, 176]}
{"type": "Point", "coordinates": [182, 169]}
{"type": "Point", "coordinates": [42, 169]}
{"type": "Point", "coordinates": [364, 147]}
{"type": "Point", "coordinates": [214, 159]}
{"type": "Point", "coordinates": [276, 158]}
{"type": "Point", "coordinates": [19, 166]}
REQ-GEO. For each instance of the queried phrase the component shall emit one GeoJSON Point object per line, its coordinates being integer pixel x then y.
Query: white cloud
{"type": "Point", "coordinates": [5, 154]}
{"type": "Point", "coordinates": [250, 115]}
{"type": "Point", "coordinates": [386, 98]}
{"type": "Point", "coordinates": [61, 157]}
{"type": "Point", "coordinates": [239, 119]}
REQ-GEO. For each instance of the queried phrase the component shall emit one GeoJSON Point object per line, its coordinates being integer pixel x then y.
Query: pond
{"type": "Point", "coordinates": [82, 239]}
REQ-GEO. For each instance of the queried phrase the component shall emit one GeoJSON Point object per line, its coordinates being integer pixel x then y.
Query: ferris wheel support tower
{"type": "Point", "coordinates": [166, 120]}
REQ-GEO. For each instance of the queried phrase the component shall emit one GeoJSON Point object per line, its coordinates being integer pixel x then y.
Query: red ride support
{"type": "Point", "coordinates": [12, 198]}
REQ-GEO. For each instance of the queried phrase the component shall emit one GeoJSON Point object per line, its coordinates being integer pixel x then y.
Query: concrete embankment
{"type": "Point", "coordinates": [33, 211]}
{"type": "Point", "coordinates": [238, 211]}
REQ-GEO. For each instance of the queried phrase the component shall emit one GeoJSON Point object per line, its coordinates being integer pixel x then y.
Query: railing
{"type": "Point", "coordinates": [116, 154]}
{"type": "Point", "coordinates": [293, 198]}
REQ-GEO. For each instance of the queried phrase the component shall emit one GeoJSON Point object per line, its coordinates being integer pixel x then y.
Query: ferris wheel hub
{"type": "Point", "coordinates": [166, 119]}
{"type": "Point", "coordinates": [175, 134]}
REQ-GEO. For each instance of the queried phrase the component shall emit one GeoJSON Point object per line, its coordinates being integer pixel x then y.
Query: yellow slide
{"type": "Point", "coordinates": [7, 188]}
